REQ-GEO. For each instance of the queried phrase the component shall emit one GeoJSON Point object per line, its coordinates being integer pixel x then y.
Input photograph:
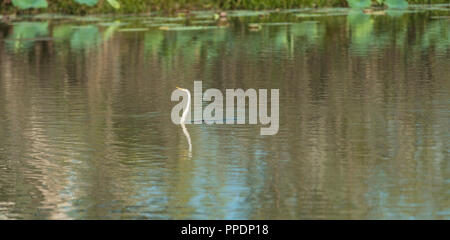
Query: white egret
{"type": "Point", "coordinates": [188, 107]}
{"type": "Point", "coordinates": [183, 119]}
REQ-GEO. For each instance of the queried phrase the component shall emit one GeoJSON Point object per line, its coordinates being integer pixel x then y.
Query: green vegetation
{"type": "Point", "coordinates": [142, 6]}
{"type": "Point", "coordinates": [281, 29]}
{"type": "Point", "coordinates": [359, 3]}
{"type": "Point", "coordinates": [25, 4]}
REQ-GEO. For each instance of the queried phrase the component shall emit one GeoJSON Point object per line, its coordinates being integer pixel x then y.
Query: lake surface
{"type": "Point", "coordinates": [85, 128]}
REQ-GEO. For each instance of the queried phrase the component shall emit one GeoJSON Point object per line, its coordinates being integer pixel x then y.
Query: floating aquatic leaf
{"type": "Point", "coordinates": [426, 6]}
{"type": "Point", "coordinates": [116, 23]}
{"type": "Point", "coordinates": [330, 10]}
{"type": "Point", "coordinates": [133, 29]}
{"type": "Point", "coordinates": [359, 3]}
{"type": "Point", "coordinates": [308, 15]}
{"type": "Point", "coordinates": [89, 19]}
{"type": "Point", "coordinates": [398, 4]}
{"type": "Point", "coordinates": [321, 12]}
{"type": "Point", "coordinates": [87, 2]}
{"type": "Point", "coordinates": [45, 16]}
{"type": "Point", "coordinates": [442, 4]}
{"type": "Point", "coordinates": [440, 17]}
{"type": "Point", "coordinates": [26, 4]}
{"type": "Point", "coordinates": [277, 24]}
{"type": "Point", "coordinates": [165, 24]}
{"type": "Point", "coordinates": [204, 14]}
{"type": "Point", "coordinates": [167, 19]}
{"type": "Point", "coordinates": [203, 22]}
{"type": "Point", "coordinates": [298, 10]}
{"type": "Point", "coordinates": [133, 18]}
{"type": "Point", "coordinates": [115, 4]}
{"type": "Point", "coordinates": [189, 28]}
{"type": "Point", "coordinates": [335, 14]}
{"type": "Point", "coordinates": [246, 13]}
{"type": "Point", "coordinates": [437, 9]}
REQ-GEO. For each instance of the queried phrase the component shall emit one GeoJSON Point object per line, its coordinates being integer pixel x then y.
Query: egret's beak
{"type": "Point", "coordinates": [179, 88]}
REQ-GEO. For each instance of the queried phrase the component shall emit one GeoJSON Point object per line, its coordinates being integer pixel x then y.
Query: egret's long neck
{"type": "Point", "coordinates": [186, 110]}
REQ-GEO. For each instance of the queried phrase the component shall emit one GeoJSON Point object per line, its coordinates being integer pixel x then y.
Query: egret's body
{"type": "Point", "coordinates": [186, 110]}
{"type": "Point", "coordinates": [188, 107]}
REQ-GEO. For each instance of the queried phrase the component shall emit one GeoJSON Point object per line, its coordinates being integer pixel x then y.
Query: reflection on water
{"type": "Point", "coordinates": [85, 129]}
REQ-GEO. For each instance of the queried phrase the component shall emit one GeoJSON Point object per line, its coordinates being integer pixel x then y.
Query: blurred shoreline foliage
{"type": "Point", "coordinates": [143, 6]}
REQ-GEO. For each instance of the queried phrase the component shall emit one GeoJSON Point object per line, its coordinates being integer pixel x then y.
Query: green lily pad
{"type": "Point", "coordinates": [167, 19]}
{"type": "Point", "coordinates": [440, 17]}
{"type": "Point", "coordinates": [48, 16]}
{"type": "Point", "coordinates": [296, 10]}
{"type": "Point", "coordinates": [277, 24]}
{"type": "Point", "coordinates": [322, 12]}
{"type": "Point", "coordinates": [359, 3]}
{"type": "Point", "coordinates": [26, 4]}
{"type": "Point", "coordinates": [330, 10]}
{"type": "Point", "coordinates": [335, 14]}
{"type": "Point", "coordinates": [164, 24]}
{"type": "Point", "coordinates": [190, 28]}
{"type": "Point", "coordinates": [440, 5]}
{"type": "Point", "coordinates": [430, 7]}
{"type": "Point", "coordinates": [305, 15]}
{"type": "Point", "coordinates": [437, 9]}
{"type": "Point", "coordinates": [246, 13]}
{"type": "Point", "coordinates": [87, 2]}
{"type": "Point", "coordinates": [197, 22]}
{"type": "Point", "coordinates": [108, 24]}
{"type": "Point", "coordinates": [133, 29]}
{"type": "Point", "coordinates": [89, 19]}
{"type": "Point", "coordinates": [203, 14]}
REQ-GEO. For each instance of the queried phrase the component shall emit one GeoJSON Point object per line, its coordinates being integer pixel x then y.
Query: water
{"type": "Point", "coordinates": [85, 129]}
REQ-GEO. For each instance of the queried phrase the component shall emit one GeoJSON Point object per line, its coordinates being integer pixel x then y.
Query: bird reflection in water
{"type": "Point", "coordinates": [183, 120]}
